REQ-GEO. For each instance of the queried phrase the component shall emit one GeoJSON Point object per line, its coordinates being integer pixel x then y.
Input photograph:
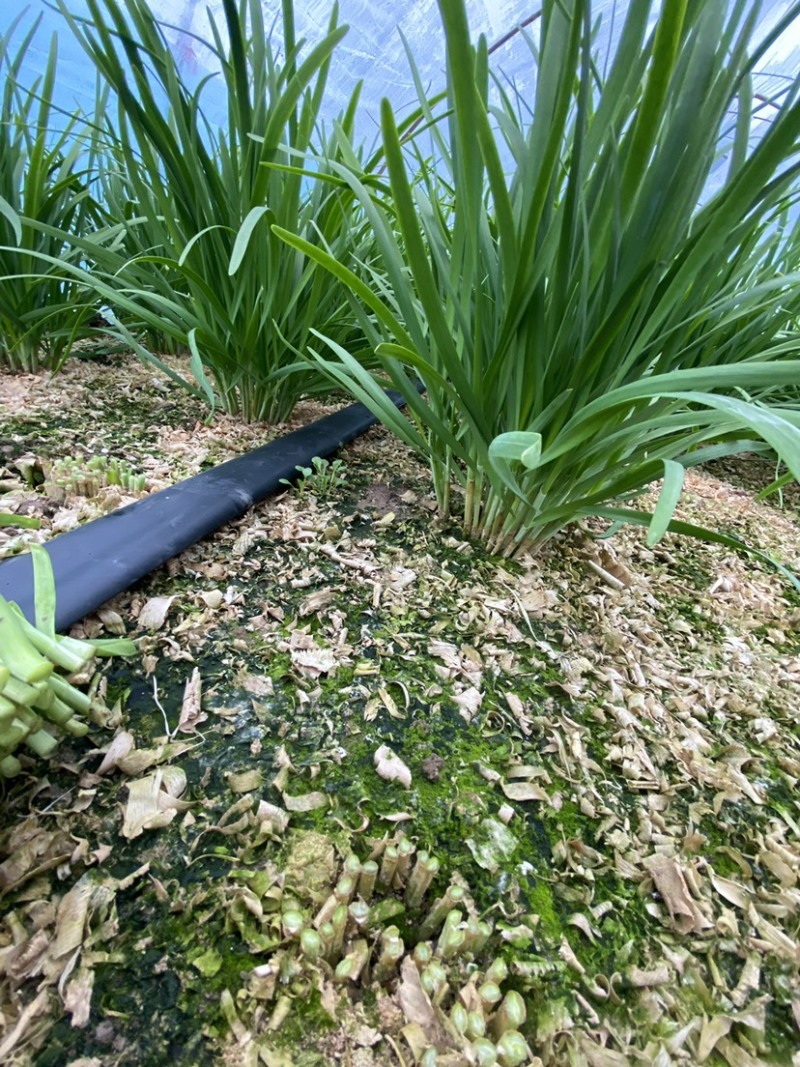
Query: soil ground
{"type": "Point", "coordinates": [599, 746]}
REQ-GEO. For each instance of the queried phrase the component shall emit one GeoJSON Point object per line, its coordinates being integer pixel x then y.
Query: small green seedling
{"type": "Point", "coordinates": [320, 479]}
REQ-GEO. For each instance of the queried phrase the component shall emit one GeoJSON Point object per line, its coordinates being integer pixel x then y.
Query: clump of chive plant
{"type": "Point", "coordinates": [188, 255]}
{"type": "Point", "coordinates": [586, 314]}
{"type": "Point", "coordinates": [39, 704]}
{"type": "Point", "coordinates": [380, 927]}
{"type": "Point", "coordinates": [46, 201]}
{"type": "Point", "coordinates": [73, 476]}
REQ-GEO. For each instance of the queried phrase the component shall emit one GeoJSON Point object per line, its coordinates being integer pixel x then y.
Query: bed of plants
{"type": "Point", "coordinates": [585, 316]}
{"type": "Point", "coordinates": [436, 758]}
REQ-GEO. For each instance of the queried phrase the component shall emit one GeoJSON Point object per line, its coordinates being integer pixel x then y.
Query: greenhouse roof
{"type": "Point", "coordinates": [372, 51]}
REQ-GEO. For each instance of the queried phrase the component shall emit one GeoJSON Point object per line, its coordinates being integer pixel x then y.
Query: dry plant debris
{"type": "Point", "coordinates": [602, 742]}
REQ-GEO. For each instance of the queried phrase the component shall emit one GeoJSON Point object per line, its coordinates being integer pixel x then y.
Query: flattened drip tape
{"type": "Point", "coordinates": [96, 561]}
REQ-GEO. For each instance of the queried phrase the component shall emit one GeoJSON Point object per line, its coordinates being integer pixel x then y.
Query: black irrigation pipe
{"type": "Point", "coordinates": [96, 561]}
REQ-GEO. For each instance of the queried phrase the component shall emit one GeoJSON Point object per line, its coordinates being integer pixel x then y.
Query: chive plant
{"type": "Point", "coordinates": [585, 317]}
{"type": "Point", "coordinates": [189, 255]}
{"type": "Point", "coordinates": [45, 159]}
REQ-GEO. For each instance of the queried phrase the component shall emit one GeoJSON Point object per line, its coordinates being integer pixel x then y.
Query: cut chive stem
{"type": "Point", "coordinates": [69, 694]}
{"type": "Point", "coordinates": [42, 743]}
{"type": "Point", "coordinates": [10, 767]}
{"type": "Point", "coordinates": [512, 1049]}
{"type": "Point", "coordinates": [344, 890]}
{"type": "Point", "coordinates": [484, 1052]}
{"type": "Point", "coordinates": [310, 944]}
{"type": "Point", "coordinates": [359, 913]}
{"type": "Point", "coordinates": [388, 865]}
{"type": "Point", "coordinates": [454, 895]}
{"type": "Point", "coordinates": [366, 880]}
{"type": "Point", "coordinates": [476, 1025]}
{"type": "Point", "coordinates": [434, 981]}
{"type": "Point", "coordinates": [56, 712]}
{"type": "Point", "coordinates": [510, 1015]}
{"type": "Point", "coordinates": [391, 952]}
{"type": "Point", "coordinates": [17, 653]}
{"type": "Point", "coordinates": [425, 870]}
{"type": "Point", "coordinates": [24, 694]}
{"type": "Point", "coordinates": [76, 727]}
{"type": "Point", "coordinates": [338, 922]}
{"type": "Point", "coordinates": [352, 866]}
{"type": "Point", "coordinates": [405, 850]}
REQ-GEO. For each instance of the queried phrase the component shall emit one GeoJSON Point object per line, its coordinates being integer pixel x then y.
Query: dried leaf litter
{"type": "Point", "coordinates": [617, 728]}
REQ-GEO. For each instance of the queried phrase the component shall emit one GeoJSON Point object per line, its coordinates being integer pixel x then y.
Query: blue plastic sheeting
{"type": "Point", "coordinates": [373, 49]}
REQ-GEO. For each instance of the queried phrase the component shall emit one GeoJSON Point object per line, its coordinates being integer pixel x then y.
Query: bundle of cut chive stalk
{"type": "Point", "coordinates": [38, 702]}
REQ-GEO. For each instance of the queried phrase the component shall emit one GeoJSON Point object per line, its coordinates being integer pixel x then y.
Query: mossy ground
{"type": "Point", "coordinates": [626, 707]}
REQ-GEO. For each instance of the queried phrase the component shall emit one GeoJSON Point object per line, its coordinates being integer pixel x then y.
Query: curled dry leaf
{"type": "Point", "coordinates": [670, 881]}
{"type": "Point", "coordinates": [416, 1040]}
{"type": "Point", "coordinates": [72, 914]}
{"type": "Point", "coordinates": [282, 759]}
{"type": "Point", "coordinates": [309, 658]}
{"type": "Point", "coordinates": [245, 782]}
{"type": "Point", "coordinates": [78, 996]}
{"type": "Point", "coordinates": [314, 662]}
{"type": "Point", "coordinates": [773, 938]}
{"type": "Point", "coordinates": [525, 791]}
{"type": "Point", "coordinates": [276, 817]}
{"type": "Point", "coordinates": [596, 1055]}
{"type": "Point", "coordinates": [614, 567]}
{"type": "Point", "coordinates": [389, 703]}
{"type": "Point", "coordinates": [256, 684]}
{"type": "Point", "coordinates": [397, 817]}
{"type": "Point", "coordinates": [391, 768]}
{"type": "Point", "coordinates": [640, 979]}
{"type": "Point", "coordinates": [236, 817]}
{"type": "Point", "coordinates": [305, 802]}
{"type": "Point", "coordinates": [518, 710]}
{"type": "Point", "coordinates": [317, 600]}
{"type": "Point", "coordinates": [112, 620]}
{"type": "Point", "coordinates": [447, 652]}
{"type": "Point", "coordinates": [191, 711]}
{"type": "Point", "coordinates": [120, 747]}
{"type": "Point", "coordinates": [569, 957]}
{"type": "Point", "coordinates": [153, 801]}
{"type": "Point", "coordinates": [29, 958]}
{"type": "Point", "coordinates": [469, 702]}
{"type": "Point", "coordinates": [487, 772]}
{"type": "Point", "coordinates": [526, 770]}
{"type": "Point", "coordinates": [38, 1006]}
{"type": "Point", "coordinates": [582, 923]}
{"type": "Point", "coordinates": [140, 759]}
{"type": "Point", "coordinates": [416, 1006]}
{"type": "Point", "coordinates": [515, 704]}
{"type": "Point", "coordinates": [732, 891]}
{"type": "Point", "coordinates": [31, 851]}
{"type": "Point", "coordinates": [749, 982]}
{"type": "Point", "coordinates": [154, 613]}
{"type": "Point", "coordinates": [718, 1027]}
{"type": "Point", "coordinates": [149, 663]}
{"type": "Point", "coordinates": [353, 562]}
{"type": "Point", "coordinates": [779, 867]}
